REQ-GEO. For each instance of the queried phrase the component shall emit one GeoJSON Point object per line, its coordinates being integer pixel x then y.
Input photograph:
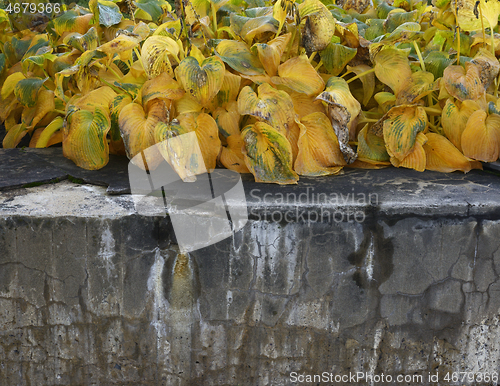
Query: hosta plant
{"type": "Point", "coordinates": [278, 89]}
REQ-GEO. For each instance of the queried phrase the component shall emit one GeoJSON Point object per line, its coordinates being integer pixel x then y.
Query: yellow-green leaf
{"type": "Point", "coordinates": [393, 69]}
{"type": "Point", "coordinates": [401, 127]}
{"type": "Point", "coordinates": [464, 83]}
{"type": "Point", "coordinates": [154, 55]}
{"type": "Point", "coordinates": [268, 154]}
{"type": "Point", "coordinates": [204, 81]}
{"type": "Point", "coordinates": [26, 90]}
{"type": "Point", "coordinates": [270, 105]}
{"type": "Point", "coordinates": [84, 139]}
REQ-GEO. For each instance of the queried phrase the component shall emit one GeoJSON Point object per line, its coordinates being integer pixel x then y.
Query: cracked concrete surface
{"type": "Point", "coordinates": [93, 294]}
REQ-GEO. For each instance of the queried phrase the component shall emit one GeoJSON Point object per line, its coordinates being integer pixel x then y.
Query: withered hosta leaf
{"type": "Point", "coordinates": [481, 137]}
{"type": "Point", "coordinates": [464, 83]}
{"type": "Point", "coordinates": [268, 154]}
{"type": "Point", "coordinates": [299, 75]}
{"type": "Point", "coordinates": [270, 105]}
{"type": "Point", "coordinates": [137, 126]}
{"type": "Point", "coordinates": [443, 156]}
{"type": "Point", "coordinates": [454, 119]}
{"type": "Point", "coordinates": [201, 81]}
{"type": "Point", "coordinates": [84, 138]}
{"type": "Point", "coordinates": [401, 127]}
{"type": "Point", "coordinates": [207, 133]}
{"type": "Point", "coordinates": [319, 152]}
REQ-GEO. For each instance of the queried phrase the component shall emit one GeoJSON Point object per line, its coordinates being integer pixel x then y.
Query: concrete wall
{"type": "Point", "coordinates": [93, 294]}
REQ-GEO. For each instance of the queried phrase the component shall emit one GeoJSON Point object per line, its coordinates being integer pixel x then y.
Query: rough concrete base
{"type": "Point", "coordinates": [93, 294]}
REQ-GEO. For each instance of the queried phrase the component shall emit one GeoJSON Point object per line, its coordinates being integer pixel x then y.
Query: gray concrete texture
{"type": "Point", "coordinates": [93, 294]}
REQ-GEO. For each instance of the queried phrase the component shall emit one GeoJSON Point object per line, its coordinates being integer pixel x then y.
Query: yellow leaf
{"type": "Point", "coordinates": [305, 105]}
{"type": "Point", "coordinates": [319, 26]}
{"type": "Point", "coordinates": [207, 133]}
{"type": "Point", "coordinates": [14, 136]}
{"type": "Point", "coordinates": [343, 110]}
{"type": "Point", "coordinates": [98, 98]}
{"type": "Point", "coordinates": [468, 13]}
{"type": "Point", "coordinates": [137, 126]}
{"type": "Point", "coordinates": [119, 44]}
{"type": "Point", "coordinates": [187, 104]}
{"type": "Point", "coordinates": [481, 137]}
{"type": "Point", "coordinates": [84, 139]}
{"type": "Point", "coordinates": [228, 119]}
{"type": "Point", "coordinates": [463, 83]}
{"type": "Point", "coordinates": [454, 119]}
{"type": "Point", "coordinates": [229, 90]}
{"type": "Point", "coordinates": [421, 84]}
{"type": "Point", "coordinates": [161, 87]}
{"type": "Point", "coordinates": [231, 155]}
{"type": "Point", "coordinates": [401, 128]}
{"type": "Point", "coordinates": [299, 75]}
{"type": "Point", "coordinates": [202, 82]}
{"type": "Point", "coordinates": [319, 152]}
{"type": "Point", "coordinates": [270, 105]}
{"type": "Point", "coordinates": [268, 154]}
{"type": "Point", "coordinates": [488, 66]}
{"type": "Point", "coordinates": [270, 53]}
{"type": "Point", "coordinates": [10, 83]}
{"type": "Point", "coordinates": [179, 146]}
{"type": "Point", "coordinates": [416, 158]}
{"type": "Point", "coordinates": [46, 136]}
{"type": "Point", "coordinates": [443, 156]}
{"type": "Point", "coordinates": [154, 55]}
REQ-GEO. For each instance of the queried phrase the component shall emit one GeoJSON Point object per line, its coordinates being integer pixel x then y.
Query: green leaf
{"type": "Point", "coordinates": [26, 90]}
{"type": "Point", "coordinates": [336, 56]}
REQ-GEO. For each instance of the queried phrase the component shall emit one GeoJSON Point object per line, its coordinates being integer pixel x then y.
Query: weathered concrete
{"type": "Point", "coordinates": [93, 294]}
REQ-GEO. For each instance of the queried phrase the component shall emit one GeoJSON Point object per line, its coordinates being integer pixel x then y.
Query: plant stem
{"type": "Point", "coordinates": [419, 54]}
{"type": "Point", "coordinates": [362, 74]}
{"type": "Point", "coordinates": [214, 19]}
{"type": "Point", "coordinates": [459, 44]}
{"type": "Point", "coordinates": [430, 110]}
{"type": "Point", "coordinates": [319, 65]}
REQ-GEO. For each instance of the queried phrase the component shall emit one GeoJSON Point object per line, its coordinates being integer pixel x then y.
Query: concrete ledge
{"type": "Point", "coordinates": [91, 293]}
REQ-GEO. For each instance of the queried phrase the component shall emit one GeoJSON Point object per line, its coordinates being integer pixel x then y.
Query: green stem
{"type": "Point", "coordinates": [311, 58]}
{"type": "Point", "coordinates": [362, 74]}
{"type": "Point", "coordinates": [419, 54]}
{"type": "Point", "coordinates": [319, 65]}
{"type": "Point", "coordinates": [459, 44]}
{"type": "Point", "coordinates": [60, 112]}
